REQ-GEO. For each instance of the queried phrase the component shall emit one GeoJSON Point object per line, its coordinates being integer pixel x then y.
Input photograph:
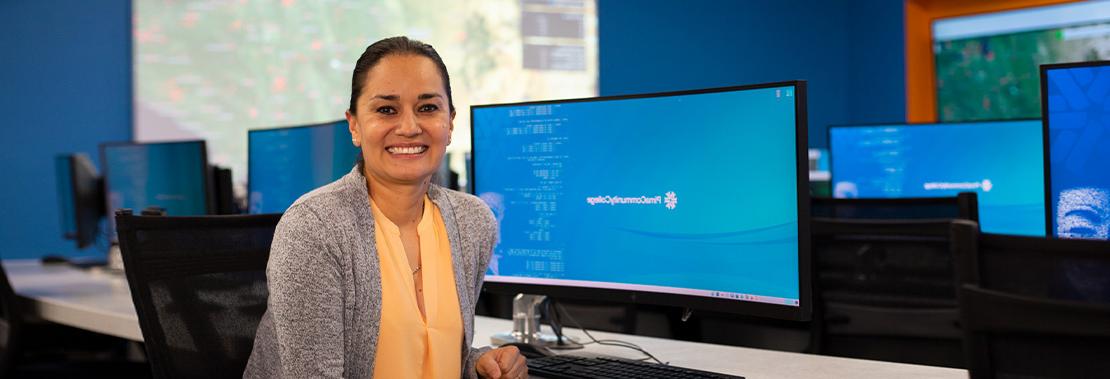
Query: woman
{"type": "Point", "coordinates": [377, 274]}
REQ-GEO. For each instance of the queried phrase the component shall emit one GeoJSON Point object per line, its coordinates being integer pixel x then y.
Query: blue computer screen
{"type": "Point", "coordinates": [286, 163]}
{"type": "Point", "coordinates": [167, 175]}
{"type": "Point", "coordinates": [1078, 120]}
{"type": "Point", "coordinates": [1002, 162]}
{"type": "Point", "coordinates": [692, 194]}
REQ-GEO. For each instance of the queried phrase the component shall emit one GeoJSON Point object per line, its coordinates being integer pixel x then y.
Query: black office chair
{"type": "Point", "coordinates": [964, 205]}
{"type": "Point", "coordinates": [885, 290]}
{"type": "Point", "coordinates": [1033, 307]}
{"type": "Point", "coordinates": [199, 286]}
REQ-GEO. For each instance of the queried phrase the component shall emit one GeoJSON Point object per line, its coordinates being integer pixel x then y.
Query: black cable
{"type": "Point", "coordinates": [553, 320]}
{"type": "Point", "coordinates": [551, 316]}
{"type": "Point", "coordinates": [608, 342]}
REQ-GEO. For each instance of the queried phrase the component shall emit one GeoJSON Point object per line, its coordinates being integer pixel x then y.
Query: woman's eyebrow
{"type": "Point", "coordinates": [424, 96]}
{"type": "Point", "coordinates": [386, 97]}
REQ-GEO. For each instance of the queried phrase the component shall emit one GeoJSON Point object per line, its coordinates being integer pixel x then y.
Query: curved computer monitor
{"type": "Point", "coordinates": [173, 176]}
{"type": "Point", "coordinates": [285, 163]}
{"type": "Point", "coordinates": [1076, 114]}
{"type": "Point", "coordinates": [695, 199]}
{"type": "Point", "coordinates": [1001, 161]}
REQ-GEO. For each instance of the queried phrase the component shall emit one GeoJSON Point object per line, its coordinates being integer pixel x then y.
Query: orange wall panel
{"type": "Point", "coordinates": [921, 90]}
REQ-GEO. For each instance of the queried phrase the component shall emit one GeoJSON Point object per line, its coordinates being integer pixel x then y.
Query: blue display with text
{"type": "Point", "coordinates": [690, 193]}
{"type": "Point", "coordinates": [286, 163]}
{"type": "Point", "coordinates": [1002, 162]}
{"type": "Point", "coordinates": [171, 176]}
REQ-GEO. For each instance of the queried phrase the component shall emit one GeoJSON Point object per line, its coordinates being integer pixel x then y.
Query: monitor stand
{"type": "Point", "coordinates": [526, 324]}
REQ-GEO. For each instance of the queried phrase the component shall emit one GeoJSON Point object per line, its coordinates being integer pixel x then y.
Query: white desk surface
{"type": "Point", "coordinates": [88, 299]}
{"type": "Point", "coordinates": [747, 362]}
{"type": "Point", "coordinates": [101, 302]}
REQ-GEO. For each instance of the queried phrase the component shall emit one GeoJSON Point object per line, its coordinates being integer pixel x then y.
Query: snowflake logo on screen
{"type": "Point", "coordinates": [671, 200]}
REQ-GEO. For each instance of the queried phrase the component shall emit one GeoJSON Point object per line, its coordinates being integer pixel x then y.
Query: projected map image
{"type": "Point", "coordinates": [215, 69]}
{"type": "Point", "coordinates": [997, 77]}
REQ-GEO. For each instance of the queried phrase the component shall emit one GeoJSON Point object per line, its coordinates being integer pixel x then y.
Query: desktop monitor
{"type": "Point", "coordinates": [170, 175]}
{"type": "Point", "coordinates": [696, 199]}
{"type": "Point", "coordinates": [1077, 149]}
{"type": "Point", "coordinates": [285, 163]}
{"type": "Point", "coordinates": [1001, 161]}
{"type": "Point", "coordinates": [80, 198]}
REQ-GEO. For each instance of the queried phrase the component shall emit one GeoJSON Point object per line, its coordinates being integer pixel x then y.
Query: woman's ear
{"type": "Point", "coordinates": [451, 127]}
{"type": "Point", "coordinates": [352, 125]}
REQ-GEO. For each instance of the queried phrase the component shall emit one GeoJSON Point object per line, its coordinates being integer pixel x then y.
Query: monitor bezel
{"type": "Point", "coordinates": [251, 132]}
{"type": "Point", "coordinates": [84, 201]}
{"type": "Point", "coordinates": [205, 172]}
{"type": "Point", "coordinates": [1049, 206]}
{"type": "Point", "coordinates": [832, 154]}
{"type": "Point", "coordinates": [69, 190]}
{"type": "Point", "coordinates": [801, 312]}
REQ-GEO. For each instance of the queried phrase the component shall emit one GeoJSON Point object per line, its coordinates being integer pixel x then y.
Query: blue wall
{"type": "Point", "coordinates": [66, 86]}
{"type": "Point", "coordinates": [876, 44]}
{"type": "Point", "coordinates": [66, 76]}
{"type": "Point", "coordinates": [850, 51]}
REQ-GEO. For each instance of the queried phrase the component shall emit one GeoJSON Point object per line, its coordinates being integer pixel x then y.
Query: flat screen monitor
{"type": "Point", "coordinates": [696, 199]}
{"type": "Point", "coordinates": [986, 64]}
{"type": "Point", "coordinates": [1077, 148]}
{"type": "Point", "coordinates": [170, 175]}
{"type": "Point", "coordinates": [80, 198]}
{"type": "Point", "coordinates": [1002, 162]}
{"type": "Point", "coordinates": [286, 163]}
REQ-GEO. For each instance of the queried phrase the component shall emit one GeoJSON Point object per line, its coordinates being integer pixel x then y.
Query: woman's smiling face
{"type": "Point", "coordinates": [403, 121]}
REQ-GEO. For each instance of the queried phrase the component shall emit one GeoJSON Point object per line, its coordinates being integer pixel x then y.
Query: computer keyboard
{"type": "Point", "coordinates": [576, 367]}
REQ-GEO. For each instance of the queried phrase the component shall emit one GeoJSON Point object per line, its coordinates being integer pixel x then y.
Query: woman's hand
{"type": "Point", "coordinates": [502, 363]}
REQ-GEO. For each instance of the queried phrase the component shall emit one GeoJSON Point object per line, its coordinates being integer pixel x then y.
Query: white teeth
{"type": "Point", "coordinates": [407, 150]}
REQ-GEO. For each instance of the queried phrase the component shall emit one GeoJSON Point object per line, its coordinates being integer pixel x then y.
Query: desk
{"type": "Point", "coordinates": [742, 361]}
{"type": "Point", "coordinates": [101, 302]}
{"type": "Point", "coordinates": [93, 299]}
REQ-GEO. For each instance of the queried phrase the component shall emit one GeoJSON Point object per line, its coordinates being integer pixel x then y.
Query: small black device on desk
{"type": "Point", "coordinates": [79, 263]}
{"type": "Point", "coordinates": [54, 259]}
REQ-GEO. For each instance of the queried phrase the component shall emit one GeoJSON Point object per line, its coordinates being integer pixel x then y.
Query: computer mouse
{"type": "Point", "coordinates": [54, 259]}
{"type": "Point", "coordinates": [530, 350]}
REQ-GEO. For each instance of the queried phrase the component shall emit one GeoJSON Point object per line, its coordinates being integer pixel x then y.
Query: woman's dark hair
{"type": "Point", "coordinates": [390, 46]}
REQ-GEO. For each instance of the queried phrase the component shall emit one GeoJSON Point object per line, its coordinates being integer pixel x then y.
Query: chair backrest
{"type": "Point", "coordinates": [199, 286]}
{"type": "Point", "coordinates": [1033, 307]}
{"type": "Point", "coordinates": [11, 325]}
{"type": "Point", "coordinates": [962, 206]}
{"type": "Point", "coordinates": [885, 289]}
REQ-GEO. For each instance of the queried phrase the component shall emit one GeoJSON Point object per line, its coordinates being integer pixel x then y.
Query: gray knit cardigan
{"type": "Point", "coordinates": [325, 286]}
